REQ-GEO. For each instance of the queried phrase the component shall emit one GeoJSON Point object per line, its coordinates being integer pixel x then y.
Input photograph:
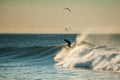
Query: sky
{"type": "Point", "coordinates": [49, 16]}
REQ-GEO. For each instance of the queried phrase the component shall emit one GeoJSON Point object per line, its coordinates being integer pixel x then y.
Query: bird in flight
{"type": "Point", "coordinates": [68, 9]}
{"type": "Point", "coordinates": [67, 28]}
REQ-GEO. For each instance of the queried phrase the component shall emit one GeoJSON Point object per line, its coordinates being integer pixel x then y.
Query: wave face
{"type": "Point", "coordinates": [30, 56]}
{"type": "Point", "coordinates": [9, 54]}
{"type": "Point", "coordinates": [30, 47]}
{"type": "Point", "coordinates": [99, 52]}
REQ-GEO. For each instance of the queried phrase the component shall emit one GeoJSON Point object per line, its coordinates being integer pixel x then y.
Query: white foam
{"type": "Point", "coordinates": [88, 56]}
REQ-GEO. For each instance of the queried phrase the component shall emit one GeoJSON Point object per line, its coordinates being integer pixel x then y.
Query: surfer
{"type": "Point", "coordinates": [68, 42]}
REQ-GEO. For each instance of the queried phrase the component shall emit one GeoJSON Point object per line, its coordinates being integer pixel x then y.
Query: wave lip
{"type": "Point", "coordinates": [86, 55]}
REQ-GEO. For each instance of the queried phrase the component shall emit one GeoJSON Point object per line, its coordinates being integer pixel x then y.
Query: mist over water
{"type": "Point", "coordinates": [110, 40]}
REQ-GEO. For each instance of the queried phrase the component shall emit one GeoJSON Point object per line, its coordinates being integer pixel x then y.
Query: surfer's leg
{"type": "Point", "coordinates": [69, 45]}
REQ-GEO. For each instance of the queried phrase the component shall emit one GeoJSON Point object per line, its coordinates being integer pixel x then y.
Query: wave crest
{"type": "Point", "coordinates": [86, 55]}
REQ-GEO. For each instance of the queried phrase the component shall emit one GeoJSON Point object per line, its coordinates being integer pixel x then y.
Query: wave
{"type": "Point", "coordinates": [28, 53]}
{"type": "Point", "coordinates": [87, 55]}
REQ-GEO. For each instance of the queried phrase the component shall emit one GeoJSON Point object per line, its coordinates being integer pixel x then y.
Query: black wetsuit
{"type": "Point", "coordinates": [68, 42]}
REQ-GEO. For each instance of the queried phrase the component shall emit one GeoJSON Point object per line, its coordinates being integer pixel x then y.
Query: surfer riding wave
{"type": "Point", "coordinates": [68, 42]}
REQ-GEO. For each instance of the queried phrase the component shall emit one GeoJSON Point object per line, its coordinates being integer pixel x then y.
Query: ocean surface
{"type": "Point", "coordinates": [46, 57]}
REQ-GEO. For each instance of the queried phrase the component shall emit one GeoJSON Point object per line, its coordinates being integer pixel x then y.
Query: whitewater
{"type": "Point", "coordinates": [46, 57]}
{"type": "Point", "coordinates": [88, 55]}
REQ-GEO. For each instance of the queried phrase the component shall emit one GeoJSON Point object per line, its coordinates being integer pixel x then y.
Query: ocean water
{"type": "Point", "coordinates": [46, 57]}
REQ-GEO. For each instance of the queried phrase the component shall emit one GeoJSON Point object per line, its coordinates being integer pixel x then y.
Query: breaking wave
{"type": "Point", "coordinates": [91, 51]}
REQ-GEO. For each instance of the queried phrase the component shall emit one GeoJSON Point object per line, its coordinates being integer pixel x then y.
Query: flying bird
{"type": "Point", "coordinates": [68, 9]}
{"type": "Point", "coordinates": [67, 28]}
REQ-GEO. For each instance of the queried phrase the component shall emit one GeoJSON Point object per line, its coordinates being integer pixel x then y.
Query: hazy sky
{"type": "Point", "coordinates": [49, 16]}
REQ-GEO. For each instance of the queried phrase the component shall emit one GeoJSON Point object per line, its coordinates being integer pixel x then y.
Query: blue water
{"type": "Point", "coordinates": [31, 57]}
{"type": "Point", "coordinates": [25, 40]}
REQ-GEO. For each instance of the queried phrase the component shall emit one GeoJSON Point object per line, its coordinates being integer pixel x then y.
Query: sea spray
{"type": "Point", "coordinates": [81, 37]}
{"type": "Point", "coordinates": [86, 55]}
{"type": "Point", "coordinates": [63, 53]}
